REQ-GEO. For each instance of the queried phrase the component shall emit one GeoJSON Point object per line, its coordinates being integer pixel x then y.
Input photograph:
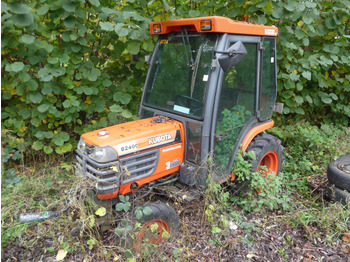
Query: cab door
{"type": "Point", "coordinates": [236, 103]}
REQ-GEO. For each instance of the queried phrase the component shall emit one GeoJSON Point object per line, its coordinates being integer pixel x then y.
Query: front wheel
{"type": "Point", "coordinates": [162, 223]}
{"type": "Point", "coordinates": [269, 153]}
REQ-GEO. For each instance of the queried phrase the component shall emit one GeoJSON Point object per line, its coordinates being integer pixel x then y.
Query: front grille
{"type": "Point", "coordinates": [108, 176]}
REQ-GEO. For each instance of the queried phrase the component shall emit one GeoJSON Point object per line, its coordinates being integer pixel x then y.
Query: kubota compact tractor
{"type": "Point", "coordinates": [210, 90]}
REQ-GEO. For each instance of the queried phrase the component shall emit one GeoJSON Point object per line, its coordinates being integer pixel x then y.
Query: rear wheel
{"type": "Point", "coordinates": [156, 227]}
{"type": "Point", "coordinates": [269, 153]}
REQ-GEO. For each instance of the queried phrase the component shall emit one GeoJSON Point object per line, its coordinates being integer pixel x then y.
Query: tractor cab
{"type": "Point", "coordinates": [218, 78]}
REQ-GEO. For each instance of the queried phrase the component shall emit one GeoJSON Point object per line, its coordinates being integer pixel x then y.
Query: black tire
{"type": "Point", "coordinates": [338, 173]}
{"type": "Point", "coordinates": [268, 151]}
{"type": "Point", "coordinates": [336, 194]}
{"type": "Point", "coordinates": [164, 216]}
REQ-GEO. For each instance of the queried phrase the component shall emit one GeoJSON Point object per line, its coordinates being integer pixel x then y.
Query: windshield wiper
{"type": "Point", "coordinates": [195, 68]}
{"type": "Point", "coordinates": [189, 63]}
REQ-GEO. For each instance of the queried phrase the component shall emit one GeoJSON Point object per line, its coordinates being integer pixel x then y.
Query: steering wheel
{"type": "Point", "coordinates": [188, 101]}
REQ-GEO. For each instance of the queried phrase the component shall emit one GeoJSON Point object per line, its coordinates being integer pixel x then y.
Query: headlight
{"type": "Point", "coordinates": [104, 154]}
{"type": "Point", "coordinates": [81, 144]}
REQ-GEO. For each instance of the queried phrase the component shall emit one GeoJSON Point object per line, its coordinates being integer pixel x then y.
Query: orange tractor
{"type": "Point", "coordinates": [210, 90]}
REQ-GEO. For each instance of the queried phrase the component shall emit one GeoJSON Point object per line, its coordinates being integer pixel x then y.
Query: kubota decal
{"type": "Point", "coordinates": [159, 139]}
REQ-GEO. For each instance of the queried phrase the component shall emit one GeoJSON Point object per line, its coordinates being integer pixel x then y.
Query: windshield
{"type": "Point", "coordinates": [180, 72]}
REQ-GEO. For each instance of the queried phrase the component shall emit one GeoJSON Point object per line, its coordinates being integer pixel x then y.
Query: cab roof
{"type": "Point", "coordinates": [218, 24]}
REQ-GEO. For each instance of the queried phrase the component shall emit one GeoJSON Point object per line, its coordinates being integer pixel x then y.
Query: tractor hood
{"type": "Point", "coordinates": [137, 135]}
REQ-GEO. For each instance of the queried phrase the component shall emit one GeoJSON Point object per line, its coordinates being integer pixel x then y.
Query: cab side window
{"type": "Point", "coordinates": [236, 106]}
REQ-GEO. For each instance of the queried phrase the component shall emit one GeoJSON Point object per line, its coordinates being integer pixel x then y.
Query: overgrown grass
{"type": "Point", "coordinates": [222, 221]}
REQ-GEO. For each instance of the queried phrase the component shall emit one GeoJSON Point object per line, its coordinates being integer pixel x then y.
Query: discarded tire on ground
{"type": "Point", "coordinates": [338, 195]}
{"type": "Point", "coordinates": [163, 218]}
{"type": "Point", "coordinates": [268, 151]}
{"type": "Point", "coordinates": [338, 174]}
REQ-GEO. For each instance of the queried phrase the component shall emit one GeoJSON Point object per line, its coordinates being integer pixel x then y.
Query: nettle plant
{"type": "Point", "coordinates": [264, 187]}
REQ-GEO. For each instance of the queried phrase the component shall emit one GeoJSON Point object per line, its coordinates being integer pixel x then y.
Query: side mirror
{"type": "Point", "coordinates": [232, 56]}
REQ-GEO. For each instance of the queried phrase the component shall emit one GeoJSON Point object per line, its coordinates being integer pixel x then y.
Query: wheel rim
{"type": "Point", "coordinates": [270, 161]}
{"type": "Point", "coordinates": [146, 236]}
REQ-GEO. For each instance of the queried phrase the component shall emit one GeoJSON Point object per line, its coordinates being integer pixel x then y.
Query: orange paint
{"type": "Point", "coordinates": [255, 131]}
{"type": "Point", "coordinates": [135, 136]}
{"type": "Point", "coordinates": [219, 25]}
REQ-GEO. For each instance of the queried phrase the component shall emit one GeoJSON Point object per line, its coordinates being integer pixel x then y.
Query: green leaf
{"type": "Point", "coordinates": [126, 114]}
{"type": "Point", "coordinates": [134, 47]}
{"type": "Point", "coordinates": [138, 214]}
{"type": "Point", "coordinates": [37, 145]}
{"type": "Point", "coordinates": [95, 2]}
{"type": "Point", "coordinates": [120, 30]}
{"type": "Point", "coordinates": [310, 4]}
{"type": "Point", "coordinates": [52, 60]}
{"type": "Point", "coordinates": [306, 75]}
{"type": "Point", "coordinates": [14, 67]}
{"type": "Point", "coordinates": [36, 97]}
{"type": "Point", "coordinates": [294, 77]}
{"type": "Point", "coordinates": [43, 10]}
{"type": "Point", "coordinates": [27, 39]}
{"type": "Point", "coordinates": [119, 207]}
{"type": "Point", "coordinates": [23, 19]}
{"type": "Point", "coordinates": [101, 211]}
{"type": "Point", "coordinates": [19, 8]}
{"type": "Point", "coordinates": [299, 99]}
{"type": "Point", "coordinates": [147, 211]}
{"type": "Point", "coordinates": [307, 18]}
{"type": "Point", "coordinates": [333, 96]}
{"type": "Point", "coordinates": [69, 6]}
{"type": "Point", "coordinates": [309, 99]}
{"type": "Point", "coordinates": [326, 100]}
{"type": "Point", "coordinates": [43, 108]}
{"type": "Point", "coordinates": [116, 108]}
{"type": "Point", "coordinates": [64, 58]}
{"type": "Point", "coordinates": [108, 26]}
{"type": "Point", "coordinates": [194, 13]}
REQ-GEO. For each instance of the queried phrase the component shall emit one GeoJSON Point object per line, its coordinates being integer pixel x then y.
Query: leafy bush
{"type": "Point", "coordinates": [68, 68]}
